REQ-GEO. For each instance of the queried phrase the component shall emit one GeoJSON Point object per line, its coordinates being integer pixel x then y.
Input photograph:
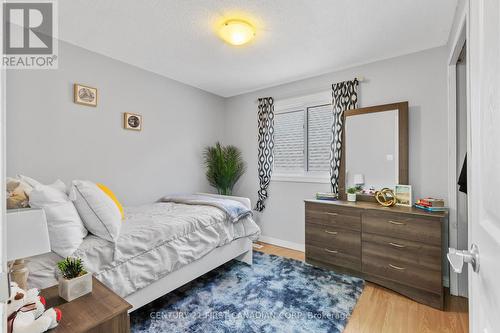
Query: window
{"type": "Point", "coordinates": [302, 136]}
{"type": "Point", "coordinates": [319, 133]}
{"type": "Point", "coordinates": [289, 141]}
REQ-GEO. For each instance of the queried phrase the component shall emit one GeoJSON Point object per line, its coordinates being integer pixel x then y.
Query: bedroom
{"type": "Point", "coordinates": [112, 114]}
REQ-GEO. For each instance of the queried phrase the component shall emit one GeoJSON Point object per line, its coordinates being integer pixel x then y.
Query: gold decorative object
{"type": "Point", "coordinates": [386, 197]}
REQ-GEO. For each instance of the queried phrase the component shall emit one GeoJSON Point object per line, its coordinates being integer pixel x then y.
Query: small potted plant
{"type": "Point", "coordinates": [74, 280]}
{"type": "Point", "coordinates": [351, 194]}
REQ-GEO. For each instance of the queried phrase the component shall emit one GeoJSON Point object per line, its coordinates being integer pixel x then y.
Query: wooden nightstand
{"type": "Point", "coordinates": [101, 311]}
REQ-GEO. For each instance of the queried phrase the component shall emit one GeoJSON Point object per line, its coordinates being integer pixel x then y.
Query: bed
{"type": "Point", "coordinates": [161, 246]}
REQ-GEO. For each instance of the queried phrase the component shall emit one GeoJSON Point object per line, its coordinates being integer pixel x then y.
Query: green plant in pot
{"type": "Point", "coordinates": [225, 166]}
{"type": "Point", "coordinates": [351, 194]}
{"type": "Point", "coordinates": [74, 280]}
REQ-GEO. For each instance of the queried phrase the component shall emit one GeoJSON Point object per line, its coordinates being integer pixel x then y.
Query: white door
{"type": "Point", "coordinates": [484, 166]}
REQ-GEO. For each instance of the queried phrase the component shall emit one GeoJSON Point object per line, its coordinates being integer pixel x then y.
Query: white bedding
{"type": "Point", "coordinates": [155, 240]}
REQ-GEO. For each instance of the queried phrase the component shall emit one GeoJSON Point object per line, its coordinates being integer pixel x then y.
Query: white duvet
{"type": "Point", "coordinates": [155, 240]}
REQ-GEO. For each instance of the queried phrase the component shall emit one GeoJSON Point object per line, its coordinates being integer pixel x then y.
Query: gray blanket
{"type": "Point", "coordinates": [234, 210]}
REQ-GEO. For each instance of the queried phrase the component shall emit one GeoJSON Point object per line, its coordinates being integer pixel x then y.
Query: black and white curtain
{"type": "Point", "coordinates": [266, 145]}
{"type": "Point", "coordinates": [344, 97]}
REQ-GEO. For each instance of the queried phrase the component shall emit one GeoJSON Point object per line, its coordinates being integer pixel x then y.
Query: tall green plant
{"type": "Point", "coordinates": [224, 167]}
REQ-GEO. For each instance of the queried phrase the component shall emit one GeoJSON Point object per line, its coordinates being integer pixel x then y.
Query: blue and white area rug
{"type": "Point", "coordinates": [274, 295]}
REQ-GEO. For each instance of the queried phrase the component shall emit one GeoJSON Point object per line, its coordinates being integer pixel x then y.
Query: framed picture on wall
{"type": "Point", "coordinates": [84, 95]}
{"type": "Point", "coordinates": [132, 121]}
{"type": "Point", "coordinates": [403, 195]}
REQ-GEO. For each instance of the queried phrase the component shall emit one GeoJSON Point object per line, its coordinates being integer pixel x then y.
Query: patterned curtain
{"type": "Point", "coordinates": [344, 97]}
{"type": "Point", "coordinates": [266, 145]}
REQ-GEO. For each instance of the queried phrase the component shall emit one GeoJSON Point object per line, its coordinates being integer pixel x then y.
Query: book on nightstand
{"type": "Point", "coordinates": [431, 205]}
{"type": "Point", "coordinates": [326, 196]}
{"type": "Point", "coordinates": [430, 202]}
{"type": "Point", "coordinates": [432, 209]}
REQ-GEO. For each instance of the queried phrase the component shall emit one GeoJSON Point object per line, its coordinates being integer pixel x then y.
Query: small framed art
{"type": "Point", "coordinates": [84, 95]}
{"type": "Point", "coordinates": [403, 195]}
{"type": "Point", "coordinates": [132, 121]}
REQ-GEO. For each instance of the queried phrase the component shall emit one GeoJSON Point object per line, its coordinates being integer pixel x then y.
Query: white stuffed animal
{"type": "Point", "coordinates": [26, 312]}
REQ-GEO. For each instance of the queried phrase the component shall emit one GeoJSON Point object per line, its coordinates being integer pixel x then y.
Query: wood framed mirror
{"type": "Point", "coordinates": [374, 148]}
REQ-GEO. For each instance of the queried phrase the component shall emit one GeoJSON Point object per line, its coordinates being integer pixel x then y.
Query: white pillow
{"type": "Point", "coordinates": [99, 213]}
{"type": "Point", "coordinates": [30, 181]}
{"type": "Point", "coordinates": [58, 184]}
{"type": "Point", "coordinates": [66, 230]}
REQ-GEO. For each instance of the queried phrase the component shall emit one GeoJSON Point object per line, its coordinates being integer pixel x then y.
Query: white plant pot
{"type": "Point", "coordinates": [74, 288]}
{"type": "Point", "coordinates": [351, 197]}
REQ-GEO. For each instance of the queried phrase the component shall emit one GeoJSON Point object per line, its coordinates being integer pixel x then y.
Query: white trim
{"type": "Point", "coordinates": [299, 178]}
{"type": "Point", "coordinates": [457, 40]}
{"type": "Point", "coordinates": [240, 249]}
{"type": "Point", "coordinates": [283, 243]}
{"type": "Point", "coordinates": [4, 277]}
{"type": "Point", "coordinates": [452, 171]}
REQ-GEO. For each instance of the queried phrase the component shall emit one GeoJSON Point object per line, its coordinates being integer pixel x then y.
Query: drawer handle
{"type": "Point", "coordinates": [396, 222]}
{"type": "Point", "coordinates": [396, 267]}
{"type": "Point", "coordinates": [331, 232]}
{"type": "Point", "coordinates": [332, 214]}
{"type": "Point", "coordinates": [331, 251]}
{"type": "Point", "coordinates": [397, 245]}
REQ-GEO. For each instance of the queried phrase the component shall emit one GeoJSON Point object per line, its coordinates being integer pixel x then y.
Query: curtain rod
{"type": "Point", "coordinates": [360, 78]}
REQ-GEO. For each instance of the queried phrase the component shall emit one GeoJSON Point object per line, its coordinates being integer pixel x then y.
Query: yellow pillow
{"type": "Point", "coordinates": [113, 197]}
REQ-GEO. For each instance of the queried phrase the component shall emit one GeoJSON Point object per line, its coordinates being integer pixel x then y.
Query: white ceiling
{"type": "Point", "coordinates": [295, 38]}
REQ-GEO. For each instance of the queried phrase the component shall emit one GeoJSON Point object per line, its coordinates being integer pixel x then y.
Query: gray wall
{"type": "Point", "coordinates": [419, 78]}
{"type": "Point", "coordinates": [50, 137]}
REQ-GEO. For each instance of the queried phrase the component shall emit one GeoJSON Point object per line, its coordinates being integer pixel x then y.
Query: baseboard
{"type": "Point", "coordinates": [283, 243]}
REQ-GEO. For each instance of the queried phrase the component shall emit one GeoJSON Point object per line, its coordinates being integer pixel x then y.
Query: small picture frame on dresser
{"type": "Point", "coordinates": [403, 195]}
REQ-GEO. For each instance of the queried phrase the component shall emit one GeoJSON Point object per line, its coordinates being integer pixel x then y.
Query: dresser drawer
{"type": "Point", "coordinates": [403, 226]}
{"type": "Point", "coordinates": [410, 253]}
{"type": "Point", "coordinates": [331, 256]}
{"type": "Point", "coordinates": [331, 215]}
{"type": "Point", "coordinates": [403, 273]}
{"type": "Point", "coordinates": [346, 240]}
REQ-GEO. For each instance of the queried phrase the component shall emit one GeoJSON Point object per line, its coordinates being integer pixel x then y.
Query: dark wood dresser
{"type": "Point", "coordinates": [398, 247]}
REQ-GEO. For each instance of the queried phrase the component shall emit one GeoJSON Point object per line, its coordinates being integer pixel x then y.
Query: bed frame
{"type": "Point", "coordinates": [239, 249]}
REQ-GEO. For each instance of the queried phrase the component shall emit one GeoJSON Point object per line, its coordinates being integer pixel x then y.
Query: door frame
{"type": "Point", "coordinates": [459, 36]}
{"type": "Point", "coordinates": [4, 278]}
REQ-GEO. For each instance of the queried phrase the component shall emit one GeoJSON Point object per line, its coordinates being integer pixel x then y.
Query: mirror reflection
{"type": "Point", "coordinates": [371, 150]}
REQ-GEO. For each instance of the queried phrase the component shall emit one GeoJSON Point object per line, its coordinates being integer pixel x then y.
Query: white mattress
{"type": "Point", "coordinates": [155, 240]}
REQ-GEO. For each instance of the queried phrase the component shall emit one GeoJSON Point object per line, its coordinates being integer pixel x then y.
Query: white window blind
{"type": "Point", "coordinates": [289, 141]}
{"type": "Point", "coordinates": [319, 135]}
{"type": "Point", "coordinates": [302, 137]}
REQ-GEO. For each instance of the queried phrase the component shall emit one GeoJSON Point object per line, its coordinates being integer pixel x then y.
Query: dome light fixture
{"type": "Point", "coordinates": [236, 32]}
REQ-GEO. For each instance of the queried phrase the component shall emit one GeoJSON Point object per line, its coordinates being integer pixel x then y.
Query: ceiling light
{"type": "Point", "coordinates": [237, 32]}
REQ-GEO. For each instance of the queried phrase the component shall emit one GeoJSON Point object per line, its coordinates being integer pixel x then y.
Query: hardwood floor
{"type": "Point", "coordinates": [382, 310]}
